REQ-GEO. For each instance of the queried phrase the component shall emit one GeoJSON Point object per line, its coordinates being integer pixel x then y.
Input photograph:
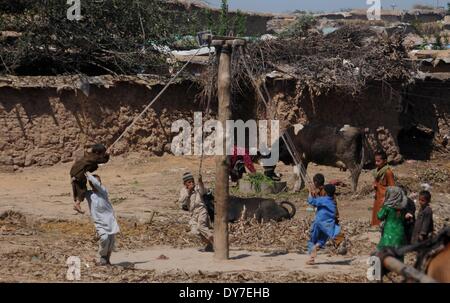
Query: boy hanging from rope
{"type": "Point", "coordinates": [93, 156]}
{"type": "Point", "coordinates": [191, 199]}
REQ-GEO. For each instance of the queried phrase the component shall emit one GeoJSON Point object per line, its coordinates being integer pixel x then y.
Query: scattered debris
{"type": "Point", "coordinates": [434, 175]}
{"type": "Point", "coordinates": [162, 257]}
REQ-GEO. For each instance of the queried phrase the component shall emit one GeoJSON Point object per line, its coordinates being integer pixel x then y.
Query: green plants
{"type": "Point", "coordinates": [240, 23]}
{"type": "Point", "coordinates": [223, 18]}
{"type": "Point", "coordinates": [438, 44]}
{"type": "Point", "coordinates": [258, 179]}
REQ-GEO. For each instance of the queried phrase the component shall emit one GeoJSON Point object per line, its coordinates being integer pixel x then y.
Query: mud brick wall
{"type": "Point", "coordinates": [40, 126]}
{"type": "Point", "coordinates": [410, 126]}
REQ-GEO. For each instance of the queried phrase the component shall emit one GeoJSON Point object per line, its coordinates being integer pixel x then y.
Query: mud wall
{"type": "Point", "coordinates": [425, 117]}
{"type": "Point", "coordinates": [411, 125]}
{"type": "Point", "coordinates": [40, 126]}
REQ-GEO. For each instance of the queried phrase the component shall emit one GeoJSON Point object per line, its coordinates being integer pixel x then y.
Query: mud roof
{"type": "Point", "coordinates": [345, 60]}
{"type": "Point", "coordinates": [80, 81]}
{"type": "Point", "coordinates": [432, 76]}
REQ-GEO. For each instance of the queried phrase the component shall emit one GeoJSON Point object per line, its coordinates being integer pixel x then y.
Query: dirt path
{"type": "Point", "coordinates": [136, 186]}
{"type": "Point", "coordinates": [190, 260]}
{"type": "Point", "coordinates": [36, 240]}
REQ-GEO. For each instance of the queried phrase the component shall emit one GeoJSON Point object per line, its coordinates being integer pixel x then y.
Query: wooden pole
{"type": "Point", "coordinates": [221, 249]}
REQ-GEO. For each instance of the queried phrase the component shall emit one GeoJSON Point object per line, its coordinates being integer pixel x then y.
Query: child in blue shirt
{"type": "Point", "coordinates": [324, 226]}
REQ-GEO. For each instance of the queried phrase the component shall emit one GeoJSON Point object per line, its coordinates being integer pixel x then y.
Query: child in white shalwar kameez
{"type": "Point", "coordinates": [102, 214]}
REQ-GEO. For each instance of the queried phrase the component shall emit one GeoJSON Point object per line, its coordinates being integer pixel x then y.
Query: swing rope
{"type": "Point", "coordinates": [154, 100]}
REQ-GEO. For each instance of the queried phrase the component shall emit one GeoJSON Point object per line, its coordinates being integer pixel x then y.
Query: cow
{"type": "Point", "coordinates": [264, 210]}
{"type": "Point", "coordinates": [345, 148]}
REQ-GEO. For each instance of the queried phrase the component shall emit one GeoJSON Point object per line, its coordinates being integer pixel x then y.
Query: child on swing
{"type": "Point", "coordinates": [93, 156]}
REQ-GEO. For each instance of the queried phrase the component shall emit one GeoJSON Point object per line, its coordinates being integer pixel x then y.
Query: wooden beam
{"type": "Point", "coordinates": [231, 43]}
{"type": "Point", "coordinates": [210, 37]}
{"type": "Point", "coordinates": [409, 272]}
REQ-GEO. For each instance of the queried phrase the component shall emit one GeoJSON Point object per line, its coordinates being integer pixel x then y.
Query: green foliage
{"type": "Point", "coordinates": [223, 18]}
{"type": "Point", "coordinates": [240, 24]}
{"type": "Point", "coordinates": [257, 179]}
{"type": "Point", "coordinates": [438, 44]}
{"type": "Point", "coordinates": [112, 37]}
{"type": "Point", "coordinates": [230, 22]}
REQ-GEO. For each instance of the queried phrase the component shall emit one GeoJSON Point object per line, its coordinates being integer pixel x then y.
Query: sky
{"type": "Point", "coordinates": [281, 6]}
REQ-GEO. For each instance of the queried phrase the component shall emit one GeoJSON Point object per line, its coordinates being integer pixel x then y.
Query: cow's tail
{"type": "Point", "coordinates": [291, 206]}
{"type": "Point", "coordinates": [364, 148]}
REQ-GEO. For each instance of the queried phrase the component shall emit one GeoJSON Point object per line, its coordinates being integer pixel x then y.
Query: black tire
{"type": "Point", "coordinates": [292, 206]}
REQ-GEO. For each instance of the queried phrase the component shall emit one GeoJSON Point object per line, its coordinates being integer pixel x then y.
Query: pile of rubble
{"type": "Point", "coordinates": [41, 254]}
{"type": "Point", "coordinates": [434, 175]}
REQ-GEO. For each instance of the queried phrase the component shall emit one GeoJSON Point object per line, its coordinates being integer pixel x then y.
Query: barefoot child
{"type": "Point", "coordinates": [324, 226]}
{"type": "Point", "coordinates": [423, 228]}
{"type": "Point", "coordinates": [94, 156]}
{"type": "Point", "coordinates": [384, 177]}
{"type": "Point", "coordinates": [319, 185]}
{"type": "Point", "coordinates": [191, 198]}
{"type": "Point", "coordinates": [102, 214]}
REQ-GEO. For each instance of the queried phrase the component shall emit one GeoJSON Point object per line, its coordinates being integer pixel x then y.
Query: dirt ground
{"type": "Point", "coordinates": [39, 230]}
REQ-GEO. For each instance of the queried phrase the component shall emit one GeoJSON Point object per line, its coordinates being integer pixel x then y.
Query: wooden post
{"type": "Point", "coordinates": [221, 249]}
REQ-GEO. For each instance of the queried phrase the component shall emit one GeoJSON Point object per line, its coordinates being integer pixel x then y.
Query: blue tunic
{"type": "Point", "coordinates": [324, 226]}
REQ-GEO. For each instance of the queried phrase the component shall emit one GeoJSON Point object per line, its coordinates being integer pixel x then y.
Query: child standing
{"type": "Point", "coordinates": [393, 216]}
{"type": "Point", "coordinates": [324, 226]}
{"type": "Point", "coordinates": [102, 214]}
{"type": "Point", "coordinates": [424, 226]}
{"type": "Point", "coordinates": [191, 198]}
{"type": "Point", "coordinates": [384, 177]}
